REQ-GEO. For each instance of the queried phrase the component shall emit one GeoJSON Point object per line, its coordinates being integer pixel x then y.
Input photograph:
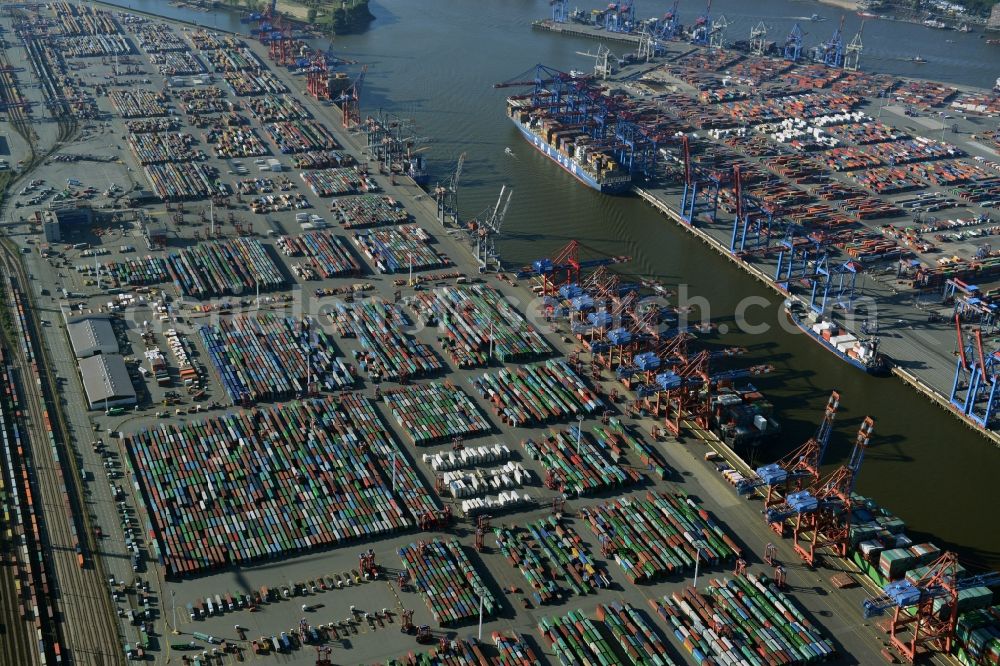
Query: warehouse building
{"type": "Point", "coordinates": [90, 335]}
{"type": "Point", "coordinates": [106, 381]}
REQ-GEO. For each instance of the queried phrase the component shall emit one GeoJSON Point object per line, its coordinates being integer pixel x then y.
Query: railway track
{"type": "Point", "coordinates": [85, 618]}
{"type": "Point", "coordinates": [86, 627]}
{"type": "Point", "coordinates": [15, 641]}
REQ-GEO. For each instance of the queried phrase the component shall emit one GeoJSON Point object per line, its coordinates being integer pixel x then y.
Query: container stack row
{"type": "Point", "coordinates": [476, 320]}
{"type": "Point", "coordinates": [514, 650]}
{"type": "Point", "coordinates": [265, 483]}
{"type": "Point", "coordinates": [230, 142]}
{"type": "Point", "coordinates": [459, 653]}
{"type": "Point", "coordinates": [368, 210]}
{"type": "Point", "coordinates": [156, 147]}
{"type": "Point", "coordinates": [158, 37]}
{"type": "Point", "coordinates": [637, 637]}
{"type": "Point", "coordinates": [435, 413]}
{"type": "Point", "coordinates": [322, 159]}
{"type": "Point", "coordinates": [537, 393]}
{"type": "Point", "coordinates": [251, 83]}
{"type": "Point", "coordinates": [176, 63]}
{"type": "Point", "coordinates": [451, 586]}
{"type": "Point", "coordinates": [137, 103]}
{"type": "Point", "coordinates": [397, 468]}
{"type": "Point", "coordinates": [400, 249]}
{"type": "Point", "coordinates": [576, 639]}
{"type": "Point", "coordinates": [746, 620]}
{"type": "Point", "coordinates": [389, 352]}
{"type": "Point", "coordinates": [265, 358]}
{"type": "Point", "coordinates": [301, 136]}
{"type": "Point", "coordinates": [136, 272]}
{"type": "Point", "coordinates": [182, 182]}
{"type": "Point", "coordinates": [552, 559]}
{"type": "Point", "coordinates": [330, 255]}
{"type": "Point", "coordinates": [616, 440]}
{"type": "Point", "coordinates": [575, 465]}
{"type": "Point", "coordinates": [98, 45]}
{"type": "Point", "coordinates": [275, 108]}
{"type": "Point", "coordinates": [334, 182]}
{"type": "Point", "coordinates": [658, 535]}
{"type": "Point", "coordinates": [224, 268]}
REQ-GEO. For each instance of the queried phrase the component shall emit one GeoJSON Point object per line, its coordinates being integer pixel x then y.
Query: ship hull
{"type": "Point", "coordinates": [569, 165]}
{"type": "Point", "coordinates": [877, 369]}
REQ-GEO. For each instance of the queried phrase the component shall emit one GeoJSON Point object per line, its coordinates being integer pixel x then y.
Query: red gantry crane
{"type": "Point", "coordinates": [799, 465]}
{"type": "Point", "coordinates": [925, 613]}
{"type": "Point", "coordinates": [823, 512]}
{"type": "Point", "coordinates": [351, 100]}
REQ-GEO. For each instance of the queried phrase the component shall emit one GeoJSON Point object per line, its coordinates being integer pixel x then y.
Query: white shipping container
{"type": "Point", "coordinates": [847, 346]}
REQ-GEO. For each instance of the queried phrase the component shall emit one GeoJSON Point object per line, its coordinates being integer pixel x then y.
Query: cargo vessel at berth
{"type": "Point", "coordinates": [569, 147]}
{"type": "Point", "coordinates": [862, 354]}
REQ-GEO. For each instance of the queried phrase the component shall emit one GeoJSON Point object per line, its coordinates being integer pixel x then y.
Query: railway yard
{"type": "Point", "coordinates": [332, 439]}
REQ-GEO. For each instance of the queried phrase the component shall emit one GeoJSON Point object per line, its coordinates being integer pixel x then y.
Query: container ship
{"type": "Point", "coordinates": [862, 354]}
{"type": "Point", "coordinates": [743, 418]}
{"type": "Point", "coordinates": [569, 147]}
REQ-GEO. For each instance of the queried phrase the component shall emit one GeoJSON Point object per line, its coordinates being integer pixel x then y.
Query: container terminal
{"type": "Point", "coordinates": [867, 200]}
{"type": "Point", "coordinates": [265, 400]}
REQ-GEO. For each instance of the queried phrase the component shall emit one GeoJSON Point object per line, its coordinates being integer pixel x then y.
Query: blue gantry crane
{"type": "Point", "coordinates": [701, 188]}
{"type": "Point", "coordinates": [264, 19]}
{"type": "Point", "coordinates": [559, 10]}
{"type": "Point", "coordinates": [701, 31]}
{"type": "Point", "coordinates": [831, 52]}
{"type": "Point", "coordinates": [925, 611]}
{"type": "Point", "coordinates": [974, 389]}
{"type": "Point", "coordinates": [833, 285]}
{"type": "Point", "coordinates": [823, 511]}
{"type": "Point", "coordinates": [636, 147]}
{"type": "Point", "coordinates": [793, 44]}
{"type": "Point", "coordinates": [668, 27]}
{"type": "Point", "coordinates": [793, 257]}
{"type": "Point", "coordinates": [753, 219]}
{"type": "Point", "coordinates": [620, 16]}
{"type": "Point", "coordinates": [801, 464]}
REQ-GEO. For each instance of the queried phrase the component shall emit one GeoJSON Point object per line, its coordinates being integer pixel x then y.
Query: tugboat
{"type": "Point", "coordinates": [862, 354]}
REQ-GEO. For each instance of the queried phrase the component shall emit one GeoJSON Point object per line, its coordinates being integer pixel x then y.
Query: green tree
{"type": "Point", "coordinates": [311, 15]}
